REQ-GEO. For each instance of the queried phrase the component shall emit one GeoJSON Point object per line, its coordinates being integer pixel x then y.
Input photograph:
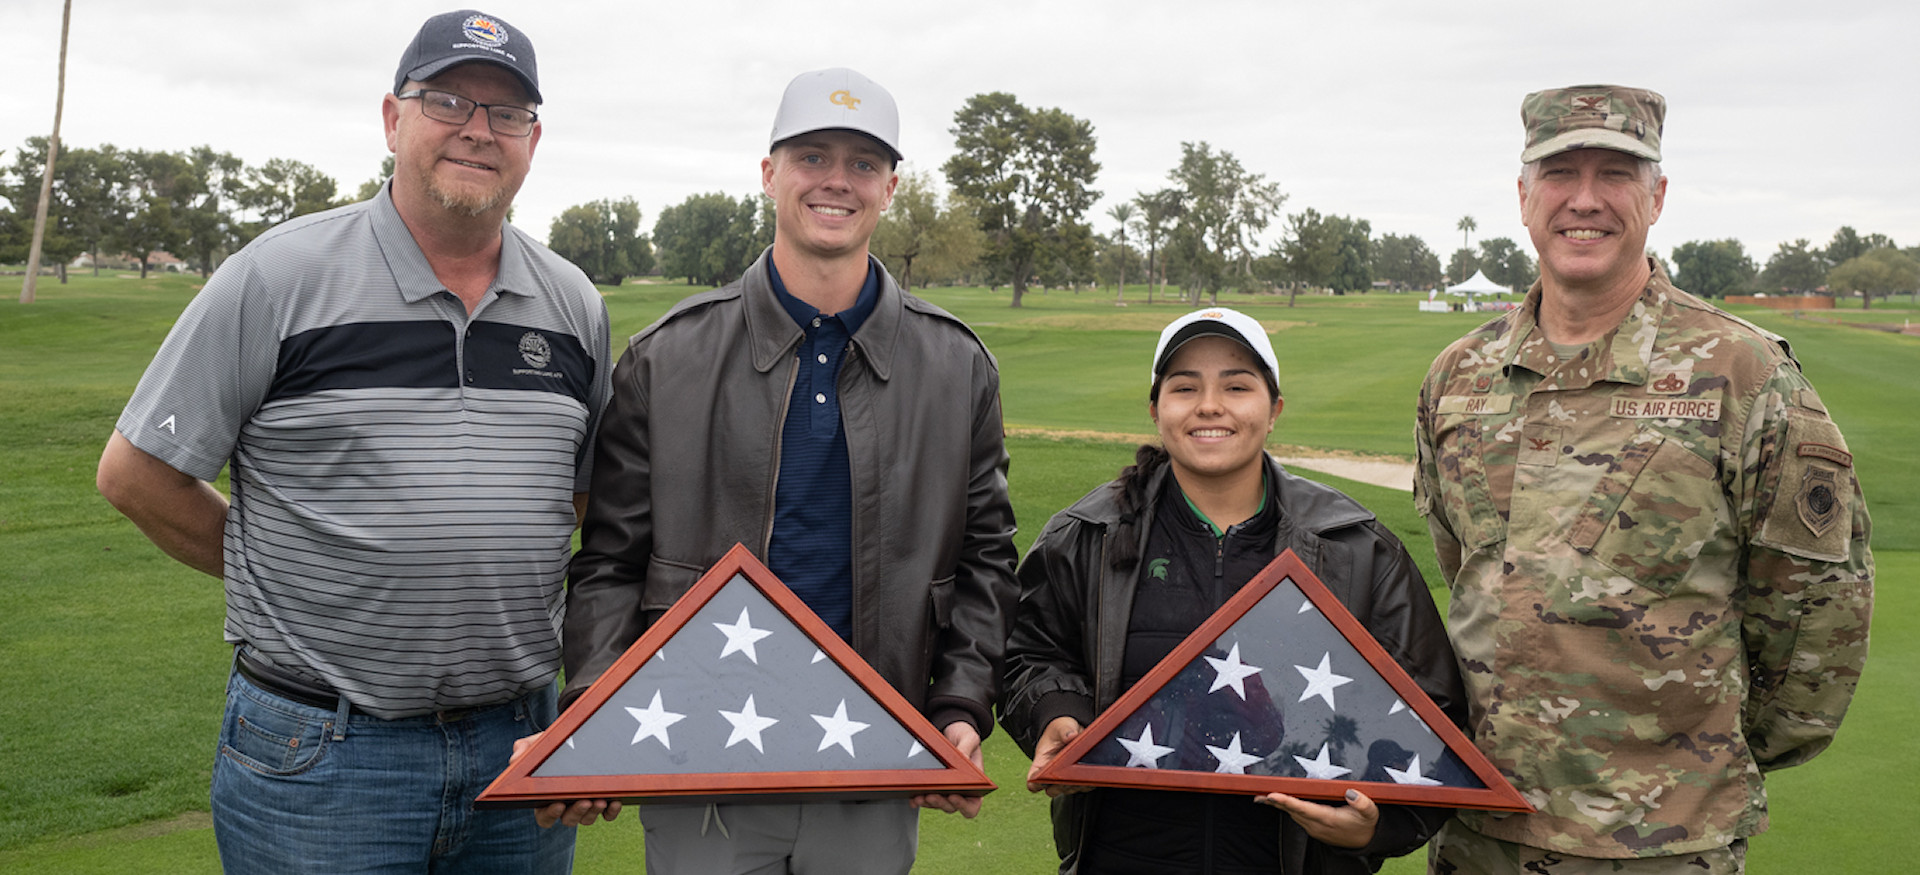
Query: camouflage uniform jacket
{"type": "Point", "coordinates": [1659, 569]}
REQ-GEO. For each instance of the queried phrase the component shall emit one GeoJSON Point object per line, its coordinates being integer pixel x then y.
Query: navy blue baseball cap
{"type": "Point", "coordinates": [466, 36]}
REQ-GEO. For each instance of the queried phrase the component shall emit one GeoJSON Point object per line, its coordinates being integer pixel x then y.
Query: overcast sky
{"type": "Point", "coordinates": [1785, 119]}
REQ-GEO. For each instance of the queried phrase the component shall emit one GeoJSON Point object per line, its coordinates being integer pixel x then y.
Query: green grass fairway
{"type": "Point", "coordinates": [112, 665]}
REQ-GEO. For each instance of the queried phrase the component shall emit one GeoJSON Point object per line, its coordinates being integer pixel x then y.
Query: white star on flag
{"type": "Point", "coordinates": [1232, 761]}
{"type": "Point", "coordinates": [1411, 775]}
{"type": "Point", "coordinates": [1232, 672]}
{"type": "Point", "coordinates": [1321, 767]}
{"type": "Point", "coordinates": [747, 725]}
{"type": "Point", "coordinates": [740, 637]}
{"type": "Point", "coordinates": [1142, 751]}
{"type": "Point", "coordinates": [654, 721]}
{"type": "Point", "coordinates": [1321, 681]}
{"type": "Point", "coordinates": [839, 729]}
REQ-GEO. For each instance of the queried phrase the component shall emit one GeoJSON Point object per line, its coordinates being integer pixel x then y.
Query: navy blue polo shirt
{"type": "Point", "coordinates": [812, 546]}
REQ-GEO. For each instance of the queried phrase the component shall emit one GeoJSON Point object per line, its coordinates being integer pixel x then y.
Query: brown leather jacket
{"type": "Point", "coordinates": [687, 459]}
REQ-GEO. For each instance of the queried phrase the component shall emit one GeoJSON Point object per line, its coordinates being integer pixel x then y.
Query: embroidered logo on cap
{"type": "Point", "coordinates": [485, 31]}
{"type": "Point", "coordinates": [845, 98]}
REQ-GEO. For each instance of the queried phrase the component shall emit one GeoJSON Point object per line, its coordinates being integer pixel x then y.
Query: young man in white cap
{"type": "Point", "coordinates": [849, 434]}
{"type": "Point", "coordinates": [392, 563]}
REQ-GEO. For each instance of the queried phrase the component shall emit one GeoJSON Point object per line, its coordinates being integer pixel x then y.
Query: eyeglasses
{"type": "Point", "coordinates": [443, 106]}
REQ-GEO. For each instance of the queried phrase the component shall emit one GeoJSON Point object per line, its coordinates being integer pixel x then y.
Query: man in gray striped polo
{"type": "Point", "coordinates": [403, 392]}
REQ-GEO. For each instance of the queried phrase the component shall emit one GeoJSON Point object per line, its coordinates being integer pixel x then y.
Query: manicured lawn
{"type": "Point", "coordinates": [112, 664]}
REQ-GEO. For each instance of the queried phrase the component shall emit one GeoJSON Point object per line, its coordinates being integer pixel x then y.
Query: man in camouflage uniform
{"type": "Point", "coordinates": [1655, 542]}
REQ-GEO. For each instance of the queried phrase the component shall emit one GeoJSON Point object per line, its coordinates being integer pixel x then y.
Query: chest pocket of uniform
{"type": "Point", "coordinates": [1652, 511]}
{"type": "Point", "coordinates": [1463, 494]}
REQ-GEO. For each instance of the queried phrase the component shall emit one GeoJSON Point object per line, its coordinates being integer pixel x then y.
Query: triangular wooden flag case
{"type": "Point", "coordinates": [1283, 690]}
{"type": "Point", "coordinates": [738, 693]}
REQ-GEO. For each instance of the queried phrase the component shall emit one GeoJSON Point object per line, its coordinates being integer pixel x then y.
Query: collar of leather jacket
{"type": "Point", "coordinates": [772, 333]}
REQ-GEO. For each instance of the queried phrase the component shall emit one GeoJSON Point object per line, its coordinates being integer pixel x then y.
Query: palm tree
{"type": "Point", "coordinates": [1466, 225]}
{"type": "Point", "coordinates": [1157, 209]}
{"type": "Point", "coordinates": [46, 177]}
{"type": "Point", "coordinates": [1122, 213]}
{"type": "Point", "coordinates": [1341, 731]}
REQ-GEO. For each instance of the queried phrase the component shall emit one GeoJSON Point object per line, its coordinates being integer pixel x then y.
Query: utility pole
{"type": "Point", "coordinates": [46, 178]}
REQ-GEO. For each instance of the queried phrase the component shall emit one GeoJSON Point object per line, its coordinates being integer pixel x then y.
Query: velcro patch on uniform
{"type": "Point", "coordinates": [1473, 404]}
{"type": "Point", "coordinates": [1540, 444]}
{"type": "Point", "coordinates": [1809, 399]}
{"type": "Point", "coordinates": [1811, 509]}
{"type": "Point", "coordinates": [1670, 381]}
{"type": "Point", "coordinates": [1822, 451]}
{"type": "Point", "coordinates": [1818, 501]}
{"type": "Point", "coordinates": [1666, 408]}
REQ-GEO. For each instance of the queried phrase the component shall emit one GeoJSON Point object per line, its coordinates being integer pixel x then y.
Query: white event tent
{"type": "Point", "coordinates": [1478, 284]}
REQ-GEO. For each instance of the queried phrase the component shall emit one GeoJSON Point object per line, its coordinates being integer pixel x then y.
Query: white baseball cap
{"type": "Point", "coordinates": [1215, 322]}
{"type": "Point", "coordinates": [838, 99]}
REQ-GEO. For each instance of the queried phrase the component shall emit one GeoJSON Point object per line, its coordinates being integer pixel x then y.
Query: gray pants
{"type": "Point", "coordinates": [809, 838]}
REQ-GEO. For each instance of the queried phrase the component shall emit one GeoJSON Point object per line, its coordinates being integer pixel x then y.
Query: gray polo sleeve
{"type": "Point", "coordinates": [599, 343]}
{"type": "Point", "coordinates": [210, 375]}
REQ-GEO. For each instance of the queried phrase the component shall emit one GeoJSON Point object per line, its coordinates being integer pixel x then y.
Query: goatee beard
{"type": "Point", "coordinates": [466, 206]}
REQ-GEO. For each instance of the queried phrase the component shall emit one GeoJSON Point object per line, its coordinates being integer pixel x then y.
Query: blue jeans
{"type": "Point", "coordinates": [294, 792]}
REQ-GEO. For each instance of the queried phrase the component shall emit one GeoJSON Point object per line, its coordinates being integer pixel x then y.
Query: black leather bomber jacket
{"type": "Point", "coordinates": [687, 459]}
{"type": "Point", "coordinates": [1069, 636]}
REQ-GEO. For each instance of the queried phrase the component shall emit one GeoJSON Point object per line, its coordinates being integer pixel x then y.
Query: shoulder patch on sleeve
{"type": "Point", "coordinates": [1813, 492]}
{"type": "Point", "coordinates": [1806, 397]}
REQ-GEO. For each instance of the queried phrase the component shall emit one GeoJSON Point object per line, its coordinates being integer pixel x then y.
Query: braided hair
{"type": "Point", "coordinates": [1134, 512]}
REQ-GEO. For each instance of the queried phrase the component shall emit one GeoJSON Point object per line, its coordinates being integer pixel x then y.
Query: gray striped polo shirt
{"type": "Point", "coordinates": [402, 474]}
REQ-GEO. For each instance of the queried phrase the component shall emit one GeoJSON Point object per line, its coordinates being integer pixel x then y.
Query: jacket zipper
{"type": "Point", "coordinates": [853, 510]}
{"type": "Point", "coordinates": [1099, 601]}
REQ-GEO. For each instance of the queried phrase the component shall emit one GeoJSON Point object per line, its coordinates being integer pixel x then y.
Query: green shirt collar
{"type": "Point", "coordinates": [1216, 530]}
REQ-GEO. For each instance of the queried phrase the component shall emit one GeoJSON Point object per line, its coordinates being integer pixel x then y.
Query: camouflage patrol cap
{"type": "Point", "coordinates": [1593, 117]}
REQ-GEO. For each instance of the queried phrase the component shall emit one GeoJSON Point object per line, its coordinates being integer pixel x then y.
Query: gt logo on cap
{"type": "Point", "coordinates": [845, 98]}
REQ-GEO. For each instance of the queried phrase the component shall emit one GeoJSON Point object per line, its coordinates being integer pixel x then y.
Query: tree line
{"type": "Point", "coordinates": [1013, 213]}
{"type": "Point", "coordinates": [1870, 265]}
{"type": "Point", "coordinates": [199, 204]}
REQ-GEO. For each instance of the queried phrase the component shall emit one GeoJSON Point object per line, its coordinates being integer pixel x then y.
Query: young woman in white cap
{"type": "Point", "coordinates": [1119, 579]}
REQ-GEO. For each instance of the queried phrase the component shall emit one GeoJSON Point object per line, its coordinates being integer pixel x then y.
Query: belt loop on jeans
{"type": "Point", "coordinates": [340, 719]}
